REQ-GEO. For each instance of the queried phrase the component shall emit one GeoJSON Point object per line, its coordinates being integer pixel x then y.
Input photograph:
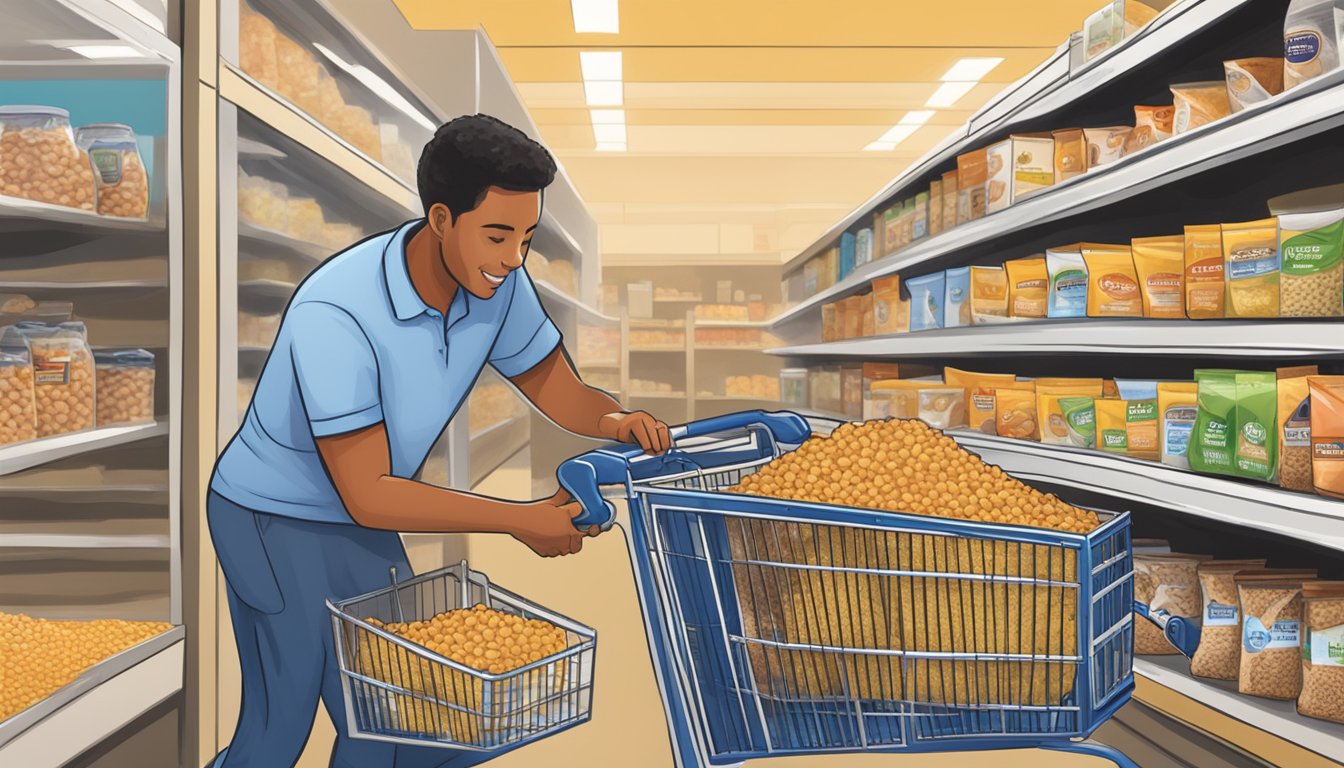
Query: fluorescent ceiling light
{"type": "Point", "coordinates": [949, 94]}
{"type": "Point", "coordinates": [613, 146]}
{"type": "Point", "coordinates": [596, 16]}
{"type": "Point", "coordinates": [379, 87]}
{"type": "Point", "coordinates": [918, 117]}
{"type": "Point", "coordinates": [604, 93]}
{"type": "Point", "coordinates": [607, 116]}
{"type": "Point", "coordinates": [898, 133]}
{"type": "Point", "coordinates": [600, 65]}
{"type": "Point", "coordinates": [609, 134]}
{"type": "Point", "coordinates": [971, 69]}
{"type": "Point", "coordinates": [880, 146]}
{"type": "Point", "coordinates": [105, 51]}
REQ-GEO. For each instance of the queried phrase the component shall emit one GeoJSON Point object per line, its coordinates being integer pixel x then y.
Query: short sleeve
{"type": "Point", "coordinates": [526, 335]}
{"type": "Point", "coordinates": [334, 368]}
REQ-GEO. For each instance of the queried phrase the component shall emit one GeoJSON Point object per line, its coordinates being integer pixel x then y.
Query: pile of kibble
{"type": "Point", "coordinates": [483, 639]}
{"type": "Point", "coordinates": [38, 656]}
{"type": "Point", "coordinates": [903, 465]}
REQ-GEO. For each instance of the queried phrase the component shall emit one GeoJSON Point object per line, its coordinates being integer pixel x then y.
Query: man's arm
{"type": "Point", "coordinates": [553, 386]}
{"type": "Point", "coordinates": [359, 464]}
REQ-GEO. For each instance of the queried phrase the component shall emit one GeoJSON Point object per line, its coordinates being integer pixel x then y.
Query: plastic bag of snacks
{"type": "Point", "coordinates": [63, 376]}
{"type": "Point", "coordinates": [39, 159]}
{"type": "Point", "coordinates": [1166, 582]}
{"type": "Point", "coordinates": [125, 386]}
{"type": "Point", "coordinates": [1323, 651]}
{"type": "Point", "coordinates": [1219, 651]}
{"type": "Point", "coordinates": [119, 173]}
{"type": "Point", "coordinates": [1327, 434]}
{"type": "Point", "coordinates": [1271, 635]}
{"type": "Point", "coordinates": [18, 421]}
{"type": "Point", "coordinates": [1311, 283]}
{"type": "Point", "coordinates": [1294, 427]}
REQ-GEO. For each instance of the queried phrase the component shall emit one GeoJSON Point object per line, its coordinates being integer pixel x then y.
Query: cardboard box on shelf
{"type": "Point", "coordinates": [1070, 154]}
{"type": "Point", "coordinates": [972, 174]}
{"type": "Point", "coordinates": [936, 207]}
{"type": "Point", "coordinates": [886, 304]}
{"type": "Point", "coordinates": [950, 200]}
{"type": "Point", "coordinates": [1017, 167]}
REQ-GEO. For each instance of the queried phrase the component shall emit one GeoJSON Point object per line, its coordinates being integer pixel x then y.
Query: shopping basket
{"type": "Point", "coordinates": [398, 691]}
{"type": "Point", "coordinates": [780, 628]}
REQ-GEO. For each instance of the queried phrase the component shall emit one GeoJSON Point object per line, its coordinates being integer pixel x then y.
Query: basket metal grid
{"type": "Point", "coordinates": [782, 628]}
{"type": "Point", "coordinates": [398, 691]}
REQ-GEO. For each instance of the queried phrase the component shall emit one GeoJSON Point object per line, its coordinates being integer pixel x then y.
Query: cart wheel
{"type": "Point", "coordinates": [1096, 749]}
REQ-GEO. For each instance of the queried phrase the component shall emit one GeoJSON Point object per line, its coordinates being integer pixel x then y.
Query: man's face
{"type": "Point", "coordinates": [488, 243]}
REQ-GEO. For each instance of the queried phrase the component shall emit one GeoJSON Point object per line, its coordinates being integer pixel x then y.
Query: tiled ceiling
{"type": "Point", "coordinates": [750, 113]}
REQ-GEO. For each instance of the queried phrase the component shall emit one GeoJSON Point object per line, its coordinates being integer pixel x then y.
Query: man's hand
{"type": "Point", "coordinates": [546, 526]}
{"type": "Point", "coordinates": [639, 427]}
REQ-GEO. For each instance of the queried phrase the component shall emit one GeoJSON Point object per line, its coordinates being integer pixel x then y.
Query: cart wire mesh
{"type": "Point", "coordinates": [400, 692]}
{"type": "Point", "coordinates": [802, 628]}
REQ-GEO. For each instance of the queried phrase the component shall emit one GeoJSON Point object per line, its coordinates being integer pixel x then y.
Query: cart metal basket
{"type": "Point", "coordinates": [781, 628]}
{"type": "Point", "coordinates": [400, 692]}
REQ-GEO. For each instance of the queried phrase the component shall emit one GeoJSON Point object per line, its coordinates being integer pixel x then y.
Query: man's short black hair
{"type": "Point", "coordinates": [472, 153]}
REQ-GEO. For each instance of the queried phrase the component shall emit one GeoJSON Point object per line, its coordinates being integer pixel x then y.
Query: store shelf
{"type": "Point", "coordinates": [657, 395]}
{"type": "Point", "coordinates": [603, 365]}
{"type": "Point", "coordinates": [1223, 338]}
{"type": "Point", "coordinates": [551, 294]}
{"type": "Point", "coordinates": [732, 323]}
{"type": "Point", "coordinates": [21, 456]}
{"type": "Point", "coordinates": [1267, 728]}
{"type": "Point", "coordinates": [76, 541]}
{"type": "Point", "coordinates": [87, 484]}
{"type": "Point", "coordinates": [247, 94]}
{"type": "Point", "coordinates": [1306, 110]}
{"type": "Point", "coordinates": [494, 445]}
{"type": "Point", "coordinates": [1048, 88]}
{"type": "Point", "coordinates": [83, 285]}
{"type": "Point", "coordinates": [1301, 516]}
{"type": "Point", "coordinates": [721, 348]}
{"type": "Point", "coordinates": [678, 348]}
{"type": "Point", "coordinates": [16, 213]}
{"type": "Point", "coordinates": [104, 699]}
{"type": "Point", "coordinates": [690, 300]}
{"type": "Point", "coordinates": [265, 296]}
{"type": "Point", "coordinates": [254, 240]}
{"type": "Point", "coordinates": [256, 150]}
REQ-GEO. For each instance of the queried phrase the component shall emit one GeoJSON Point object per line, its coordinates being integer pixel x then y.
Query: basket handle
{"type": "Point", "coordinates": [1181, 633]}
{"type": "Point", "coordinates": [583, 476]}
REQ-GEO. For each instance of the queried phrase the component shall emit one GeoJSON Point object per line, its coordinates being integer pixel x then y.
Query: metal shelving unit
{"type": "Point", "coordinates": [1310, 339]}
{"type": "Point", "coordinates": [1187, 176]}
{"type": "Point", "coordinates": [127, 274]}
{"type": "Point", "coordinates": [1266, 728]}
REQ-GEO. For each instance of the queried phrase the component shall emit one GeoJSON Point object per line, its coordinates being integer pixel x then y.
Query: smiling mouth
{"type": "Point", "coordinates": [491, 279]}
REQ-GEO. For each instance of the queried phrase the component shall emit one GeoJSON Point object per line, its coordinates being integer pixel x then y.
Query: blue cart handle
{"type": "Point", "coordinates": [1182, 634]}
{"type": "Point", "coordinates": [583, 476]}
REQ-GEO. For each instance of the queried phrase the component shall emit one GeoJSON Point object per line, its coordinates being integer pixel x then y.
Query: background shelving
{"type": "Point", "coordinates": [91, 521]}
{"type": "Point", "coordinates": [1289, 143]}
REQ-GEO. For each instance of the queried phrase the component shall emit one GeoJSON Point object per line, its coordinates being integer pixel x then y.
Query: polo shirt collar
{"type": "Point", "coordinates": [406, 303]}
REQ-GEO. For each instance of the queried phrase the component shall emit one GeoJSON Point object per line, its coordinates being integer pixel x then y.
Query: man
{"type": "Point", "coordinates": [377, 350]}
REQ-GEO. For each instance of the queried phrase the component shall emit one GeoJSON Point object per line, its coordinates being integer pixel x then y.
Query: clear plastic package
{"type": "Point", "coordinates": [120, 181]}
{"type": "Point", "coordinates": [18, 419]}
{"type": "Point", "coordinates": [39, 160]}
{"type": "Point", "coordinates": [256, 46]}
{"type": "Point", "coordinates": [63, 376]}
{"type": "Point", "coordinates": [305, 219]}
{"type": "Point", "coordinates": [299, 73]}
{"type": "Point", "coordinates": [263, 202]}
{"type": "Point", "coordinates": [125, 386]}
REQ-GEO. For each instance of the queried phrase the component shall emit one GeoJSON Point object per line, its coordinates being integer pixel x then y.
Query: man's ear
{"type": "Point", "coordinates": [440, 219]}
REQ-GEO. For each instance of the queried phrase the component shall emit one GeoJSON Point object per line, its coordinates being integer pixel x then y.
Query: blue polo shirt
{"type": "Point", "coordinates": [358, 346]}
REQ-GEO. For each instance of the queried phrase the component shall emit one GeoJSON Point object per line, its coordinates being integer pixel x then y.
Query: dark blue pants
{"type": "Point", "coordinates": [280, 571]}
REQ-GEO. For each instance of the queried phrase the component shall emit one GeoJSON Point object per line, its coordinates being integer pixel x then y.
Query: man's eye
{"type": "Point", "coordinates": [496, 239]}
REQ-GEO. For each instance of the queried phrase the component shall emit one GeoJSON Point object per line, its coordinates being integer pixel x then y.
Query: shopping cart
{"type": "Point", "coordinates": [400, 692]}
{"type": "Point", "coordinates": [781, 628]}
